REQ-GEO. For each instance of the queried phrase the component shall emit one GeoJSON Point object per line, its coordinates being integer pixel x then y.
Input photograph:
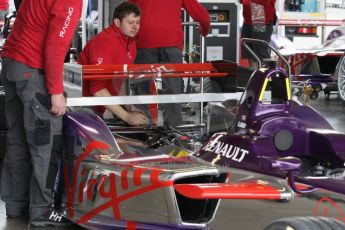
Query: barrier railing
{"type": "Point", "coordinates": [75, 75]}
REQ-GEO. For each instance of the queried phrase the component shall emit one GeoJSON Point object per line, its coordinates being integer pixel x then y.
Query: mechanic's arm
{"type": "Point", "coordinates": [123, 90]}
{"type": "Point", "coordinates": [129, 108]}
{"type": "Point", "coordinates": [132, 118]}
{"type": "Point", "coordinates": [199, 14]}
{"type": "Point", "coordinates": [64, 17]}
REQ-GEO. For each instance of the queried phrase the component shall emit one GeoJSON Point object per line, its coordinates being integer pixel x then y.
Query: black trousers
{"type": "Point", "coordinates": [172, 113]}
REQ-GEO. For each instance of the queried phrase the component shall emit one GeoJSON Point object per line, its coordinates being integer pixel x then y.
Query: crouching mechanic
{"type": "Point", "coordinates": [114, 45]}
{"type": "Point", "coordinates": [32, 67]}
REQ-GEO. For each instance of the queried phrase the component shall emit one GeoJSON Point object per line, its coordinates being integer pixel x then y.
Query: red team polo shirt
{"type": "Point", "coordinates": [160, 24]}
{"type": "Point", "coordinates": [41, 40]}
{"type": "Point", "coordinates": [110, 47]}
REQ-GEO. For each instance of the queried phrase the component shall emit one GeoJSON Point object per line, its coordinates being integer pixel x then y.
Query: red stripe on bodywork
{"type": "Point", "coordinates": [154, 177]}
{"type": "Point", "coordinates": [228, 191]}
{"type": "Point", "coordinates": [131, 225]}
{"type": "Point", "coordinates": [137, 176]}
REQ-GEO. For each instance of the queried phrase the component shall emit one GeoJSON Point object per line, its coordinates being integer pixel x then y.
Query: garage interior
{"type": "Point", "coordinates": [237, 214]}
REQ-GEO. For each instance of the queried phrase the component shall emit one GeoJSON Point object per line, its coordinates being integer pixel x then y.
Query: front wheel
{"type": "Point", "coordinates": [306, 223]}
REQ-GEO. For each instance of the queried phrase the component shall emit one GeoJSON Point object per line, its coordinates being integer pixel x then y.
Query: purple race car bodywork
{"type": "Point", "coordinates": [274, 135]}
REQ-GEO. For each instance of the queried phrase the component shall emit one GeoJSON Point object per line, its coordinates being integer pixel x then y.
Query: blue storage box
{"type": "Point", "coordinates": [309, 6]}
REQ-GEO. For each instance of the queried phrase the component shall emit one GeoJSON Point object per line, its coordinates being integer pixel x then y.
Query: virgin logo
{"type": "Point", "coordinates": [107, 186]}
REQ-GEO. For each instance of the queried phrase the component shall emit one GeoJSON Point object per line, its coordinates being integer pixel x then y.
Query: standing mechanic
{"type": "Point", "coordinates": [31, 73]}
{"type": "Point", "coordinates": [259, 17]}
{"type": "Point", "coordinates": [114, 45]}
{"type": "Point", "coordinates": [160, 40]}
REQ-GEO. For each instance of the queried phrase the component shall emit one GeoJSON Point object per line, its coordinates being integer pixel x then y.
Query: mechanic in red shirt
{"type": "Point", "coordinates": [160, 40]}
{"type": "Point", "coordinates": [32, 67]}
{"type": "Point", "coordinates": [114, 45]}
{"type": "Point", "coordinates": [259, 16]}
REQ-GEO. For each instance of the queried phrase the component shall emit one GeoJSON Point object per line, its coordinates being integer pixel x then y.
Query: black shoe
{"type": "Point", "coordinates": [51, 217]}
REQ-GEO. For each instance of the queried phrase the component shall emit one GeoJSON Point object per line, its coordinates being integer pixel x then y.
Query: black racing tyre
{"type": "Point", "coordinates": [306, 223]}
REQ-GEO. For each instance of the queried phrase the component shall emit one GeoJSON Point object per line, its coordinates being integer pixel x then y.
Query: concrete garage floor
{"type": "Point", "coordinates": [253, 214]}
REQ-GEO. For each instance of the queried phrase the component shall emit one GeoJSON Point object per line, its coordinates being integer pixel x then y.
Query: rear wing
{"type": "Point", "coordinates": [75, 75]}
{"type": "Point", "coordinates": [97, 72]}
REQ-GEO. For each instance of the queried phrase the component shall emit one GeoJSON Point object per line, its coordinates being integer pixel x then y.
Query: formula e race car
{"type": "Point", "coordinates": [333, 79]}
{"type": "Point", "coordinates": [165, 178]}
{"type": "Point", "coordinates": [125, 178]}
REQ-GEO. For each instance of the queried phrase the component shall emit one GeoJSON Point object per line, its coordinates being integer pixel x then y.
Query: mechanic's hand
{"type": "Point", "coordinates": [133, 108]}
{"type": "Point", "coordinates": [202, 30]}
{"type": "Point", "coordinates": [58, 104]}
{"type": "Point", "coordinates": [136, 119]}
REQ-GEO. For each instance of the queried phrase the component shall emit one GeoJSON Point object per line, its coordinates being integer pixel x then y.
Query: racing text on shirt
{"type": "Point", "coordinates": [67, 22]}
